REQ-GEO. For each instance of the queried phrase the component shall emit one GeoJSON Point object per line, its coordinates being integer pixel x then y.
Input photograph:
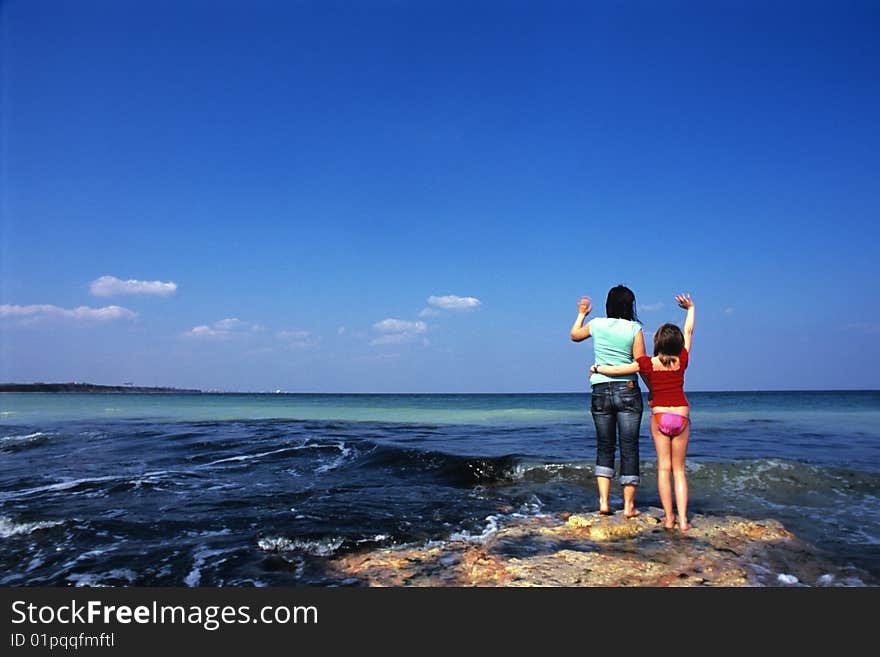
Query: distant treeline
{"type": "Point", "coordinates": [84, 387]}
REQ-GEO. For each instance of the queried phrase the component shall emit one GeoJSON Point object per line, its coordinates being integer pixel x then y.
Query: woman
{"type": "Point", "coordinates": [616, 403]}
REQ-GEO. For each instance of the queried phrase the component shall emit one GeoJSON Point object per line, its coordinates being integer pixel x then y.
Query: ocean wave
{"type": "Point", "coordinates": [9, 527]}
{"type": "Point", "coordinates": [22, 441]}
{"type": "Point", "coordinates": [779, 476]}
{"type": "Point", "coordinates": [67, 485]}
{"type": "Point", "coordinates": [452, 468]}
{"type": "Point", "coordinates": [251, 457]}
{"type": "Point", "coordinates": [25, 436]}
{"type": "Point", "coordinates": [344, 453]}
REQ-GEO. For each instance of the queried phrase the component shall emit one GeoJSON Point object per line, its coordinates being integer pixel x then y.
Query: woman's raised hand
{"type": "Point", "coordinates": [684, 300]}
{"type": "Point", "coordinates": [585, 305]}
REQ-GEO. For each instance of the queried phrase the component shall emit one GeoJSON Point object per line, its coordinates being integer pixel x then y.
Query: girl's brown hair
{"type": "Point", "coordinates": [668, 343]}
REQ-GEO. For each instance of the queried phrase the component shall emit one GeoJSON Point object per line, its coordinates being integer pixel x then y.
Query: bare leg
{"type": "Point", "coordinates": [662, 444]}
{"type": "Point", "coordinates": [604, 489]}
{"type": "Point", "coordinates": [679, 452]}
{"type": "Point", "coordinates": [629, 501]}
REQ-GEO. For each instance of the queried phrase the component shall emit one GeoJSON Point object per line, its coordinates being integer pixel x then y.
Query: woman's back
{"type": "Point", "coordinates": [613, 345]}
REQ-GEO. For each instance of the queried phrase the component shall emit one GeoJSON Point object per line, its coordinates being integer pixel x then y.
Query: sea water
{"type": "Point", "coordinates": [262, 490]}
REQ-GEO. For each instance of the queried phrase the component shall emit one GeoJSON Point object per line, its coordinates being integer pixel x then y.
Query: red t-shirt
{"type": "Point", "coordinates": [666, 386]}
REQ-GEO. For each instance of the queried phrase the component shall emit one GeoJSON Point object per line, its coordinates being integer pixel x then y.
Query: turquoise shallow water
{"type": "Point", "coordinates": [177, 489]}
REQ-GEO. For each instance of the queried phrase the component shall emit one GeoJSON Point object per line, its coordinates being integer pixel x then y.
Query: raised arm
{"type": "Point", "coordinates": [615, 370]}
{"type": "Point", "coordinates": [580, 332]}
{"type": "Point", "coordinates": [685, 301]}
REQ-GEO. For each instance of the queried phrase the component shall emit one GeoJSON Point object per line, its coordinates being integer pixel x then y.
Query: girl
{"type": "Point", "coordinates": [670, 411]}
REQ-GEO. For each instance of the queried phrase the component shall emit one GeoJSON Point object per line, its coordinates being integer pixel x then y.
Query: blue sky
{"type": "Point", "coordinates": [315, 169]}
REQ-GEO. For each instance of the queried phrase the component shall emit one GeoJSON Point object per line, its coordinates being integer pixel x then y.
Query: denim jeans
{"type": "Point", "coordinates": [617, 411]}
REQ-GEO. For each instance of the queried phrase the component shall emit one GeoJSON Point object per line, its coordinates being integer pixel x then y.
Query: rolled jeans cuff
{"type": "Point", "coordinates": [603, 471]}
{"type": "Point", "coordinates": [629, 480]}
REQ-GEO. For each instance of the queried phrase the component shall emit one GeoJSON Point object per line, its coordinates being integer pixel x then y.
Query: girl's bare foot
{"type": "Point", "coordinates": [604, 510]}
{"type": "Point", "coordinates": [683, 524]}
{"type": "Point", "coordinates": [632, 513]}
{"type": "Point", "coordinates": [669, 523]}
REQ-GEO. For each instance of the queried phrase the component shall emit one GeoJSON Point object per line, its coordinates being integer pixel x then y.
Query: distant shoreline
{"type": "Point", "coordinates": [90, 387]}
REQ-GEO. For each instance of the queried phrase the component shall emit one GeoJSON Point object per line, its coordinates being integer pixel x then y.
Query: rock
{"type": "Point", "coordinates": [595, 550]}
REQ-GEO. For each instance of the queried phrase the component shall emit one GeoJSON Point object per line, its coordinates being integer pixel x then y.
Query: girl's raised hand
{"type": "Point", "coordinates": [585, 305]}
{"type": "Point", "coordinates": [684, 300]}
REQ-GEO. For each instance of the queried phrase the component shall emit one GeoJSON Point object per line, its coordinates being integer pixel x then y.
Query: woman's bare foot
{"type": "Point", "coordinates": [683, 524]}
{"type": "Point", "coordinates": [669, 523]}
{"type": "Point", "coordinates": [632, 513]}
{"type": "Point", "coordinates": [604, 509]}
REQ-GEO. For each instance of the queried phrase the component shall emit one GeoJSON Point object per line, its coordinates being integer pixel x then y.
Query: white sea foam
{"type": "Point", "coordinates": [322, 547]}
{"type": "Point", "coordinates": [532, 506]}
{"type": "Point", "coordinates": [98, 580]}
{"type": "Point", "coordinates": [786, 579]}
{"type": "Point", "coordinates": [344, 453]}
{"type": "Point", "coordinates": [8, 527]}
{"type": "Point", "coordinates": [209, 533]}
{"type": "Point", "coordinates": [61, 485]}
{"type": "Point", "coordinates": [22, 437]}
{"type": "Point", "coordinates": [521, 469]}
{"type": "Point", "coordinates": [149, 478]}
{"type": "Point", "coordinates": [490, 530]}
{"type": "Point", "coordinates": [256, 583]}
{"type": "Point", "coordinates": [378, 538]}
{"type": "Point", "coordinates": [199, 559]}
{"type": "Point", "coordinates": [250, 457]}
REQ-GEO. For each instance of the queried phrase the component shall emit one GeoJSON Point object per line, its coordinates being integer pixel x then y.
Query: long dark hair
{"type": "Point", "coordinates": [621, 303]}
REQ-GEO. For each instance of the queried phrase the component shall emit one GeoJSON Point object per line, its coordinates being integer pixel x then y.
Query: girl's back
{"type": "Point", "coordinates": [665, 382]}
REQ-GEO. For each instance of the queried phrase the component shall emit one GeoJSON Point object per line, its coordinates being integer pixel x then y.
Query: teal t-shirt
{"type": "Point", "coordinates": [613, 345]}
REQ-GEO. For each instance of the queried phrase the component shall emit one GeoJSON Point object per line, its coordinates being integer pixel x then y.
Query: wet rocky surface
{"type": "Point", "coordinates": [595, 550]}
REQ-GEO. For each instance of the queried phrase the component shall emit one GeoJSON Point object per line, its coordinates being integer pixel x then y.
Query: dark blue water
{"type": "Point", "coordinates": [265, 489]}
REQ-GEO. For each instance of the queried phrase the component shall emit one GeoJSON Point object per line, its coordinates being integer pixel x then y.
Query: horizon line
{"type": "Point", "coordinates": [278, 391]}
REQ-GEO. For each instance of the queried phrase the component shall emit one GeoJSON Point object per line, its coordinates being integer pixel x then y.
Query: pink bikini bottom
{"type": "Point", "coordinates": [670, 424]}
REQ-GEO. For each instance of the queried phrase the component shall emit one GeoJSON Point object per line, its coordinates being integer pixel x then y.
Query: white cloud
{"type": "Point", "coordinates": [222, 329]}
{"type": "Point", "coordinates": [292, 335]}
{"type": "Point", "coordinates": [108, 286]}
{"type": "Point", "coordinates": [303, 344]}
{"type": "Point", "coordinates": [379, 356]}
{"type": "Point", "coordinates": [228, 324]}
{"type": "Point", "coordinates": [394, 338]}
{"type": "Point", "coordinates": [398, 331]}
{"type": "Point", "coordinates": [429, 312]}
{"type": "Point", "coordinates": [38, 311]}
{"type": "Point", "coordinates": [297, 339]}
{"type": "Point", "coordinates": [652, 307]}
{"type": "Point", "coordinates": [863, 327]}
{"type": "Point", "coordinates": [392, 325]}
{"type": "Point", "coordinates": [205, 331]}
{"type": "Point", "coordinates": [453, 302]}
{"type": "Point", "coordinates": [728, 311]}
